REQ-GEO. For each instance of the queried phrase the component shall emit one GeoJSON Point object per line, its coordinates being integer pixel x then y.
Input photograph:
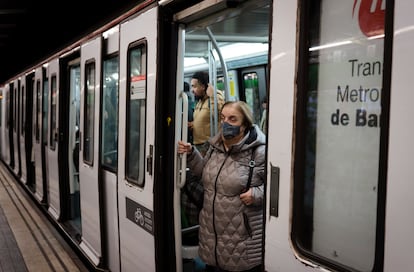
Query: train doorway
{"type": "Point", "coordinates": [228, 45]}
{"type": "Point", "coordinates": [69, 157]}
{"type": "Point", "coordinates": [74, 145]}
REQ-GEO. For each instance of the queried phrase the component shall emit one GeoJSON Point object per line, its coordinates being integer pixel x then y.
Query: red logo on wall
{"type": "Point", "coordinates": [371, 16]}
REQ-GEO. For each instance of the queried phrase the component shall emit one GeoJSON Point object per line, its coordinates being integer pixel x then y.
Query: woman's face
{"type": "Point", "coordinates": [231, 115]}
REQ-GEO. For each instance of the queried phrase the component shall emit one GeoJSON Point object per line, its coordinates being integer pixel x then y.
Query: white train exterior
{"type": "Point", "coordinates": [91, 131]}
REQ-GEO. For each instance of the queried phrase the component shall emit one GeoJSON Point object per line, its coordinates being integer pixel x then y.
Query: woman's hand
{"type": "Point", "coordinates": [247, 197]}
{"type": "Point", "coordinates": [184, 148]}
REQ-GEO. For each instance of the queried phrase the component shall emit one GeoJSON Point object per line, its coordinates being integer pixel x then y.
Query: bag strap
{"type": "Point", "coordinates": [252, 164]}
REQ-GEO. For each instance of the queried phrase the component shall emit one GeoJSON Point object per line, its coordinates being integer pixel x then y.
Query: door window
{"type": "Point", "coordinates": [337, 178]}
{"type": "Point", "coordinates": [136, 114]}
{"type": "Point", "coordinates": [89, 113]}
{"type": "Point", "coordinates": [110, 113]}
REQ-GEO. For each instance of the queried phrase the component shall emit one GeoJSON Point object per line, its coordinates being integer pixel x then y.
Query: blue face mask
{"type": "Point", "coordinates": [230, 131]}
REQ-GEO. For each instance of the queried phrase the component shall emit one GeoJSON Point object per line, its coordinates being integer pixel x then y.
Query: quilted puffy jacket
{"type": "Point", "coordinates": [231, 233]}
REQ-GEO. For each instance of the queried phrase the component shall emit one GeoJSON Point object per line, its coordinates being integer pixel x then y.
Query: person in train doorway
{"type": "Point", "coordinates": [204, 95]}
{"type": "Point", "coordinates": [233, 173]}
{"type": "Point", "coordinates": [199, 130]}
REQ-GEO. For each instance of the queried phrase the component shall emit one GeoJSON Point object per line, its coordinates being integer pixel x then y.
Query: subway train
{"type": "Point", "coordinates": [91, 131]}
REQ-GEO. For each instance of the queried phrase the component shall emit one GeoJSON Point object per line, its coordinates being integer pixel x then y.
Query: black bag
{"type": "Point", "coordinates": [194, 190]}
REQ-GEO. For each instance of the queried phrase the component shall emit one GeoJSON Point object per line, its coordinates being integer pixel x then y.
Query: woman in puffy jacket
{"type": "Point", "coordinates": [232, 173]}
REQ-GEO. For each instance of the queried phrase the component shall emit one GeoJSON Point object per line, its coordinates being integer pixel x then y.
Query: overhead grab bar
{"type": "Point", "coordinates": [223, 63]}
{"type": "Point", "coordinates": [214, 126]}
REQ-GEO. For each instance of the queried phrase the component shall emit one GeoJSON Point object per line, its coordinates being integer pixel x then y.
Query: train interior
{"type": "Point", "coordinates": [228, 49]}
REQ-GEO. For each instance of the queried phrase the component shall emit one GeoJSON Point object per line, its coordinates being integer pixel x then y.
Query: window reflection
{"type": "Point", "coordinates": [110, 114]}
{"type": "Point", "coordinates": [136, 111]}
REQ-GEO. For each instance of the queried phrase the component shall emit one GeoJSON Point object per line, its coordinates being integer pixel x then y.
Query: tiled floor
{"type": "Point", "coordinates": [28, 240]}
{"type": "Point", "coordinates": [10, 256]}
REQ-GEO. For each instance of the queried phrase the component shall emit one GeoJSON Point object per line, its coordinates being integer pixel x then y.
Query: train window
{"type": "Point", "coordinates": [110, 114]}
{"type": "Point", "coordinates": [53, 112]}
{"type": "Point", "coordinates": [38, 115]}
{"type": "Point", "coordinates": [336, 171]}
{"type": "Point", "coordinates": [45, 109]}
{"type": "Point", "coordinates": [89, 120]}
{"type": "Point", "coordinates": [136, 109]}
{"type": "Point", "coordinates": [23, 114]}
{"type": "Point", "coordinates": [14, 108]}
{"type": "Point", "coordinates": [7, 116]}
{"type": "Point", "coordinates": [17, 121]}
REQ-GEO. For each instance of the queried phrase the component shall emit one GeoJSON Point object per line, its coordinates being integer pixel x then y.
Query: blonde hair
{"type": "Point", "coordinates": [244, 109]}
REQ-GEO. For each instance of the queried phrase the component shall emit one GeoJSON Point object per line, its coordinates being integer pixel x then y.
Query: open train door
{"type": "Point", "coordinates": [138, 45]}
{"type": "Point", "coordinates": [325, 189]}
{"type": "Point", "coordinates": [87, 150]}
{"type": "Point", "coordinates": [23, 130]}
{"type": "Point", "coordinates": [39, 161]}
{"type": "Point", "coordinates": [53, 146]}
{"type": "Point", "coordinates": [16, 126]}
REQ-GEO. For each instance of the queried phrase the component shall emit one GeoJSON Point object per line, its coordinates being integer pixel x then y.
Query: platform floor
{"type": "Point", "coordinates": [28, 240]}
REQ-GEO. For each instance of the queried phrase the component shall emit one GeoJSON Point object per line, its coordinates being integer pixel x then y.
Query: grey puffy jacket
{"type": "Point", "coordinates": [231, 232]}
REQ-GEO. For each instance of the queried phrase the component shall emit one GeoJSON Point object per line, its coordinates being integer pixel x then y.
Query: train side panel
{"type": "Point", "coordinates": [16, 127]}
{"type": "Point", "coordinates": [138, 43]}
{"type": "Point", "coordinates": [399, 219]}
{"type": "Point", "coordinates": [338, 194]}
{"type": "Point", "coordinates": [22, 135]}
{"type": "Point", "coordinates": [109, 147]}
{"type": "Point", "coordinates": [37, 121]}
{"type": "Point", "coordinates": [54, 206]}
{"type": "Point", "coordinates": [279, 255]}
{"type": "Point", "coordinates": [89, 147]}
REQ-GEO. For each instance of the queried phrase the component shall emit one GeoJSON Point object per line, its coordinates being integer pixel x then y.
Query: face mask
{"type": "Point", "coordinates": [229, 131]}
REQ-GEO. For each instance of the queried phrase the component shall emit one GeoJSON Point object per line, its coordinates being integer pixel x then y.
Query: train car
{"type": "Point", "coordinates": [92, 130]}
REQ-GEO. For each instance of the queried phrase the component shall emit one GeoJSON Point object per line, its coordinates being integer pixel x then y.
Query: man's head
{"type": "Point", "coordinates": [199, 84]}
